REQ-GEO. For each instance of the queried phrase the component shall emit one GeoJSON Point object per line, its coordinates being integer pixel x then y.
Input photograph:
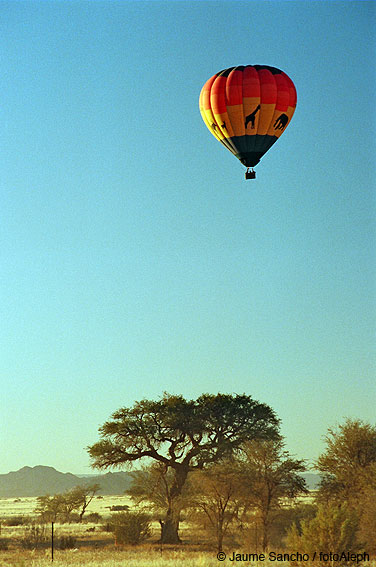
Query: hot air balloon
{"type": "Point", "coordinates": [247, 108]}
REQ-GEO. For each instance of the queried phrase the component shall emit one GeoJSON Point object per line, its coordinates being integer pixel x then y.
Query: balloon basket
{"type": "Point", "coordinates": [250, 174]}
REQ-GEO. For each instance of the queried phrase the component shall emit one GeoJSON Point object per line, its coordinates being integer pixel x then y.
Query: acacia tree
{"type": "Point", "coordinates": [184, 435]}
{"type": "Point", "coordinates": [81, 496]}
{"type": "Point", "coordinates": [62, 505]}
{"type": "Point", "coordinates": [348, 468]}
{"type": "Point", "coordinates": [348, 465]}
{"type": "Point", "coordinates": [51, 507]}
{"type": "Point", "coordinates": [271, 476]}
{"type": "Point", "coordinates": [218, 496]}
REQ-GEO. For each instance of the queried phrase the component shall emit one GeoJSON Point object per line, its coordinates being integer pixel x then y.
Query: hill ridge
{"type": "Point", "coordinates": [42, 479]}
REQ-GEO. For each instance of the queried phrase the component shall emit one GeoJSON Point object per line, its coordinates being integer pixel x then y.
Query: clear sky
{"type": "Point", "coordinates": [135, 258]}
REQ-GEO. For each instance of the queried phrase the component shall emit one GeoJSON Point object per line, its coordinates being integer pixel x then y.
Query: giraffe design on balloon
{"type": "Point", "coordinates": [279, 124]}
{"type": "Point", "coordinates": [251, 118]}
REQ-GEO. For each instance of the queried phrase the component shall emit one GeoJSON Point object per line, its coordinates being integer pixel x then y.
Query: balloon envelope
{"type": "Point", "coordinates": [247, 109]}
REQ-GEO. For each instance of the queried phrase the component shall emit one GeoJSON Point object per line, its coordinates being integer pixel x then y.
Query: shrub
{"type": "Point", "coordinates": [14, 521]}
{"type": "Point", "coordinates": [92, 518]}
{"type": "Point", "coordinates": [34, 537]}
{"type": "Point", "coordinates": [130, 527]}
{"type": "Point", "coordinates": [367, 522]}
{"type": "Point", "coordinates": [119, 508]}
{"type": "Point", "coordinates": [284, 520]}
{"type": "Point", "coordinates": [333, 528]}
{"type": "Point", "coordinates": [3, 544]}
{"type": "Point", "coordinates": [74, 518]}
{"type": "Point", "coordinates": [67, 542]}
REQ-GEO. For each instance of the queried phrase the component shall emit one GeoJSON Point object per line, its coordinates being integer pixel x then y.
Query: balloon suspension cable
{"type": "Point", "coordinates": [250, 174]}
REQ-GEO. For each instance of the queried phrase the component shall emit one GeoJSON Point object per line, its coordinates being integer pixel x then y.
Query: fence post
{"type": "Point", "coordinates": [52, 541]}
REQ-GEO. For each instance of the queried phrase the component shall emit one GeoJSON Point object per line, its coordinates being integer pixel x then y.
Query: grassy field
{"type": "Point", "coordinates": [26, 506]}
{"type": "Point", "coordinates": [95, 547]}
{"type": "Point", "coordinates": [139, 557]}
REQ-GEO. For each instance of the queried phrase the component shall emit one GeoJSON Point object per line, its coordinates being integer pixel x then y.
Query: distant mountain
{"type": "Point", "coordinates": [41, 480]}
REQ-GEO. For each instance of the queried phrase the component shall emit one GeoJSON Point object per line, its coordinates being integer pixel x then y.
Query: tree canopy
{"type": "Point", "coordinates": [174, 431]}
{"type": "Point", "coordinates": [348, 468]}
{"type": "Point", "coordinates": [348, 465]}
{"type": "Point", "coordinates": [271, 475]}
{"type": "Point", "coordinates": [60, 506]}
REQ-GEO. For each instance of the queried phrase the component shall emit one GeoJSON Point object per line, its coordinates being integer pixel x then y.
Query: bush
{"type": "Point", "coordinates": [284, 520]}
{"type": "Point", "coordinates": [14, 521]}
{"type": "Point", "coordinates": [333, 528]}
{"type": "Point", "coordinates": [73, 518]}
{"type": "Point", "coordinates": [92, 518]}
{"type": "Point", "coordinates": [130, 527]}
{"type": "Point", "coordinates": [67, 542]}
{"type": "Point", "coordinates": [367, 522]}
{"type": "Point", "coordinates": [34, 537]}
{"type": "Point", "coordinates": [3, 544]}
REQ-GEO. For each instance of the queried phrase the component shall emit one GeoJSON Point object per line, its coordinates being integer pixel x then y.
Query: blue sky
{"type": "Point", "coordinates": [135, 259]}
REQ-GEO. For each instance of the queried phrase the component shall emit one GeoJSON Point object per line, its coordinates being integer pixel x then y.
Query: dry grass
{"type": "Point", "coordinates": [17, 507]}
{"type": "Point", "coordinates": [95, 547]}
{"type": "Point", "coordinates": [136, 557]}
{"type": "Point", "coordinates": [112, 557]}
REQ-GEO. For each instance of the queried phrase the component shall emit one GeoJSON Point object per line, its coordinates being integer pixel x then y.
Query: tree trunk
{"type": "Point", "coordinates": [265, 533]}
{"type": "Point", "coordinates": [170, 526]}
{"type": "Point", "coordinates": [220, 535]}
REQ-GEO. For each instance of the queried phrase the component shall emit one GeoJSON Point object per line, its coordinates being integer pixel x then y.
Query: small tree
{"type": "Point", "coordinates": [61, 506]}
{"type": "Point", "coordinates": [271, 476]}
{"type": "Point", "coordinates": [51, 507]}
{"type": "Point", "coordinates": [348, 464]}
{"type": "Point", "coordinates": [80, 497]}
{"type": "Point", "coordinates": [217, 496]}
{"type": "Point", "coordinates": [69, 503]}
